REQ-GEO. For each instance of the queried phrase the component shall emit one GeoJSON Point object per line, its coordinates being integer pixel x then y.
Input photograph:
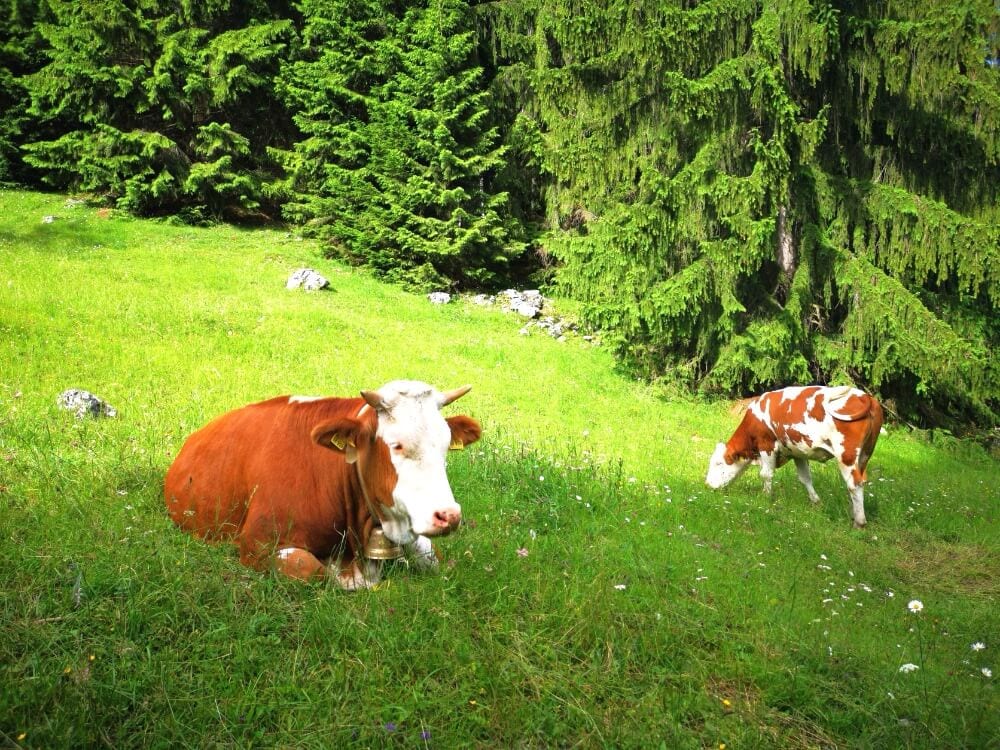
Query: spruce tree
{"type": "Point", "coordinates": [159, 107]}
{"type": "Point", "coordinates": [18, 57]}
{"type": "Point", "coordinates": [748, 195]}
{"type": "Point", "coordinates": [398, 162]}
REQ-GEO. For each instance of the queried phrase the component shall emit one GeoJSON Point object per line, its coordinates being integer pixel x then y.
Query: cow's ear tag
{"type": "Point", "coordinates": [345, 444]}
{"type": "Point", "coordinates": [339, 442]}
{"type": "Point", "coordinates": [456, 445]}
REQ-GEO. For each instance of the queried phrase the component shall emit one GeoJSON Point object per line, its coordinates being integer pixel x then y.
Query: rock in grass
{"type": "Point", "coordinates": [85, 404]}
{"type": "Point", "coordinates": [439, 298]}
{"type": "Point", "coordinates": [307, 279]}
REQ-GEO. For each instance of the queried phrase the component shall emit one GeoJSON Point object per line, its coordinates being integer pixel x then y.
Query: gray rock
{"type": "Point", "coordinates": [85, 404]}
{"type": "Point", "coordinates": [525, 309]}
{"type": "Point", "coordinates": [439, 298]}
{"type": "Point", "coordinates": [307, 279]}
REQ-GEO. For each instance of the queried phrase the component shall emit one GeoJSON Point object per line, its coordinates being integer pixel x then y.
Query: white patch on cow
{"type": "Point", "coordinates": [285, 553]}
{"type": "Point", "coordinates": [721, 473]}
{"type": "Point", "coordinates": [304, 399]}
{"type": "Point", "coordinates": [418, 438]}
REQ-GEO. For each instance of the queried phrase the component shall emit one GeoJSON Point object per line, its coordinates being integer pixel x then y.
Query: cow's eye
{"type": "Point", "coordinates": [396, 447]}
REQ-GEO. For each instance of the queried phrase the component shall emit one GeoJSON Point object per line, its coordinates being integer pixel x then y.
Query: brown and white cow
{"type": "Point", "coordinates": [299, 482]}
{"type": "Point", "coordinates": [811, 423]}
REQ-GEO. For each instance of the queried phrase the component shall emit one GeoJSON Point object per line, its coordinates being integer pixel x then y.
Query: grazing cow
{"type": "Point", "coordinates": [812, 423]}
{"type": "Point", "coordinates": [301, 482]}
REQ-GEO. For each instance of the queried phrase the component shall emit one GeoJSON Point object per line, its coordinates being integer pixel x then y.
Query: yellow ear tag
{"type": "Point", "coordinates": [340, 442]}
{"type": "Point", "coordinates": [456, 445]}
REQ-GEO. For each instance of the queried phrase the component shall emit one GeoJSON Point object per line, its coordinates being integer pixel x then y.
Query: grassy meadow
{"type": "Point", "coordinates": [598, 595]}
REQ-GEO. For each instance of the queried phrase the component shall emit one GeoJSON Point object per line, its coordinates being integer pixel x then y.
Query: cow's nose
{"type": "Point", "coordinates": [447, 519]}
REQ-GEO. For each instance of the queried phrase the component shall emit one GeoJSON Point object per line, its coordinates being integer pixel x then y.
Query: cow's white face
{"type": "Point", "coordinates": [418, 437]}
{"type": "Point", "coordinates": [720, 471]}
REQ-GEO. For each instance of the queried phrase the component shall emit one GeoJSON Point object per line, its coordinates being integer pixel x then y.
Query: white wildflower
{"type": "Point", "coordinates": [907, 668]}
{"type": "Point", "coordinates": [915, 605]}
{"type": "Point", "coordinates": [987, 672]}
{"type": "Point", "coordinates": [978, 646]}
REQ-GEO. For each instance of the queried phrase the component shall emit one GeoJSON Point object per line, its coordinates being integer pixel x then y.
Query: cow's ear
{"type": "Point", "coordinates": [340, 435]}
{"type": "Point", "coordinates": [464, 431]}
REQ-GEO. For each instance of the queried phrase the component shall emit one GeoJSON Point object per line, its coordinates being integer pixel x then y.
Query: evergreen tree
{"type": "Point", "coordinates": [753, 194]}
{"type": "Point", "coordinates": [18, 57]}
{"type": "Point", "coordinates": [399, 156]}
{"type": "Point", "coordinates": [159, 106]}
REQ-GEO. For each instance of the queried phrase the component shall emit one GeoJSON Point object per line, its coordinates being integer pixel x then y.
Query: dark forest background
{"type": "Point", "coordinates": [741, 195]}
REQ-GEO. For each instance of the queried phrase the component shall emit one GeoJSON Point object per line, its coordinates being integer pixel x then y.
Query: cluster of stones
{"type": "Point", "coordinates": [528, 303]}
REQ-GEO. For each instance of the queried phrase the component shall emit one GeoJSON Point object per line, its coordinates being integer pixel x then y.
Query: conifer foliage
{"type": "Point", "coordinates": [742, 194]}
{"type": "Point", "coordinates": [756, 194]}
{"type": "Point", "coordinates": [399, 155]}
{"type": "Point", "coordinates": [18, 53]}
{"type": "Point", "coordinates": [159, 106]}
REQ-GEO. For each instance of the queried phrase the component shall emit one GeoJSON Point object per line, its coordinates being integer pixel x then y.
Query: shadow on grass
{"type": "Point", "coordinates": [63, 235]}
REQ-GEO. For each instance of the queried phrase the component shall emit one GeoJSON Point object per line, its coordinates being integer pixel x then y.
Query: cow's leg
{"type": "Point", "coordinates": [805, 476]}
{"type": "Point", "coordinates": [363, 574]}
{"type": "Point", "coordinates": [768, 462]}
{"type": "Point", "coordinates": [421, 554]}
{"type": "Point", "coordinates": [853, 478]}
{"type": "Point", "coordinates": [296, 562]}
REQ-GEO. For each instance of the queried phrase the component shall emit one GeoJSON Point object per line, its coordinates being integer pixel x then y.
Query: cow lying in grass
{"type": "Point", "coordinates": [299, 483]}
{"type": "Point", "coordinates": [811, 423]}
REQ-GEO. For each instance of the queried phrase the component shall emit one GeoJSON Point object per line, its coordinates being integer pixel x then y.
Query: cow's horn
{"type": "Point", "coordinates": [447, 398]}
{"type": "Point", "coordinates": [374, 400]}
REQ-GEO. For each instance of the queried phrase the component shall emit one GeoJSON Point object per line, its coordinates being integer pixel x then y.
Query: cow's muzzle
{"type": "Point", "coordinates": [446, 521]}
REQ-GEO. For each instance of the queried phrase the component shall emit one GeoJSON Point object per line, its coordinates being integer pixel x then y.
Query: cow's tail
{"type": "Point", "coordinates": [847, 404]}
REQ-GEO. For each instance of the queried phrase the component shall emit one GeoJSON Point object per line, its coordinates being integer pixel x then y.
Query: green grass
{"type": "Point", "coordinates": [751, 622]}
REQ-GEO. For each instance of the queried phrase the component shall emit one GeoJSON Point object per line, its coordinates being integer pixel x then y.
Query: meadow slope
{"type": "Point", "coordinates": [598, 595]}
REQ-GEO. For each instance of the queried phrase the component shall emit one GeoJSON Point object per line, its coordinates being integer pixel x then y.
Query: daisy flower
{"type": "Point", "coordinates": [915, 605]}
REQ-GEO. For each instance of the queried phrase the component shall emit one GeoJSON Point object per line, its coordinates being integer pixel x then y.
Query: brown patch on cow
{"type": "Point", "coordinates": [270, 443]}
{"type": "Point", "coordinates": [818, 412]}
{"type": "Point", "coordinates": [750, 438]}
{"type": "Point", "coordinates": [379, 473]}
{"type": "Point", "coordinates": [791, 410]}
{"type": "Point", "coordinates": [794, 435]}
